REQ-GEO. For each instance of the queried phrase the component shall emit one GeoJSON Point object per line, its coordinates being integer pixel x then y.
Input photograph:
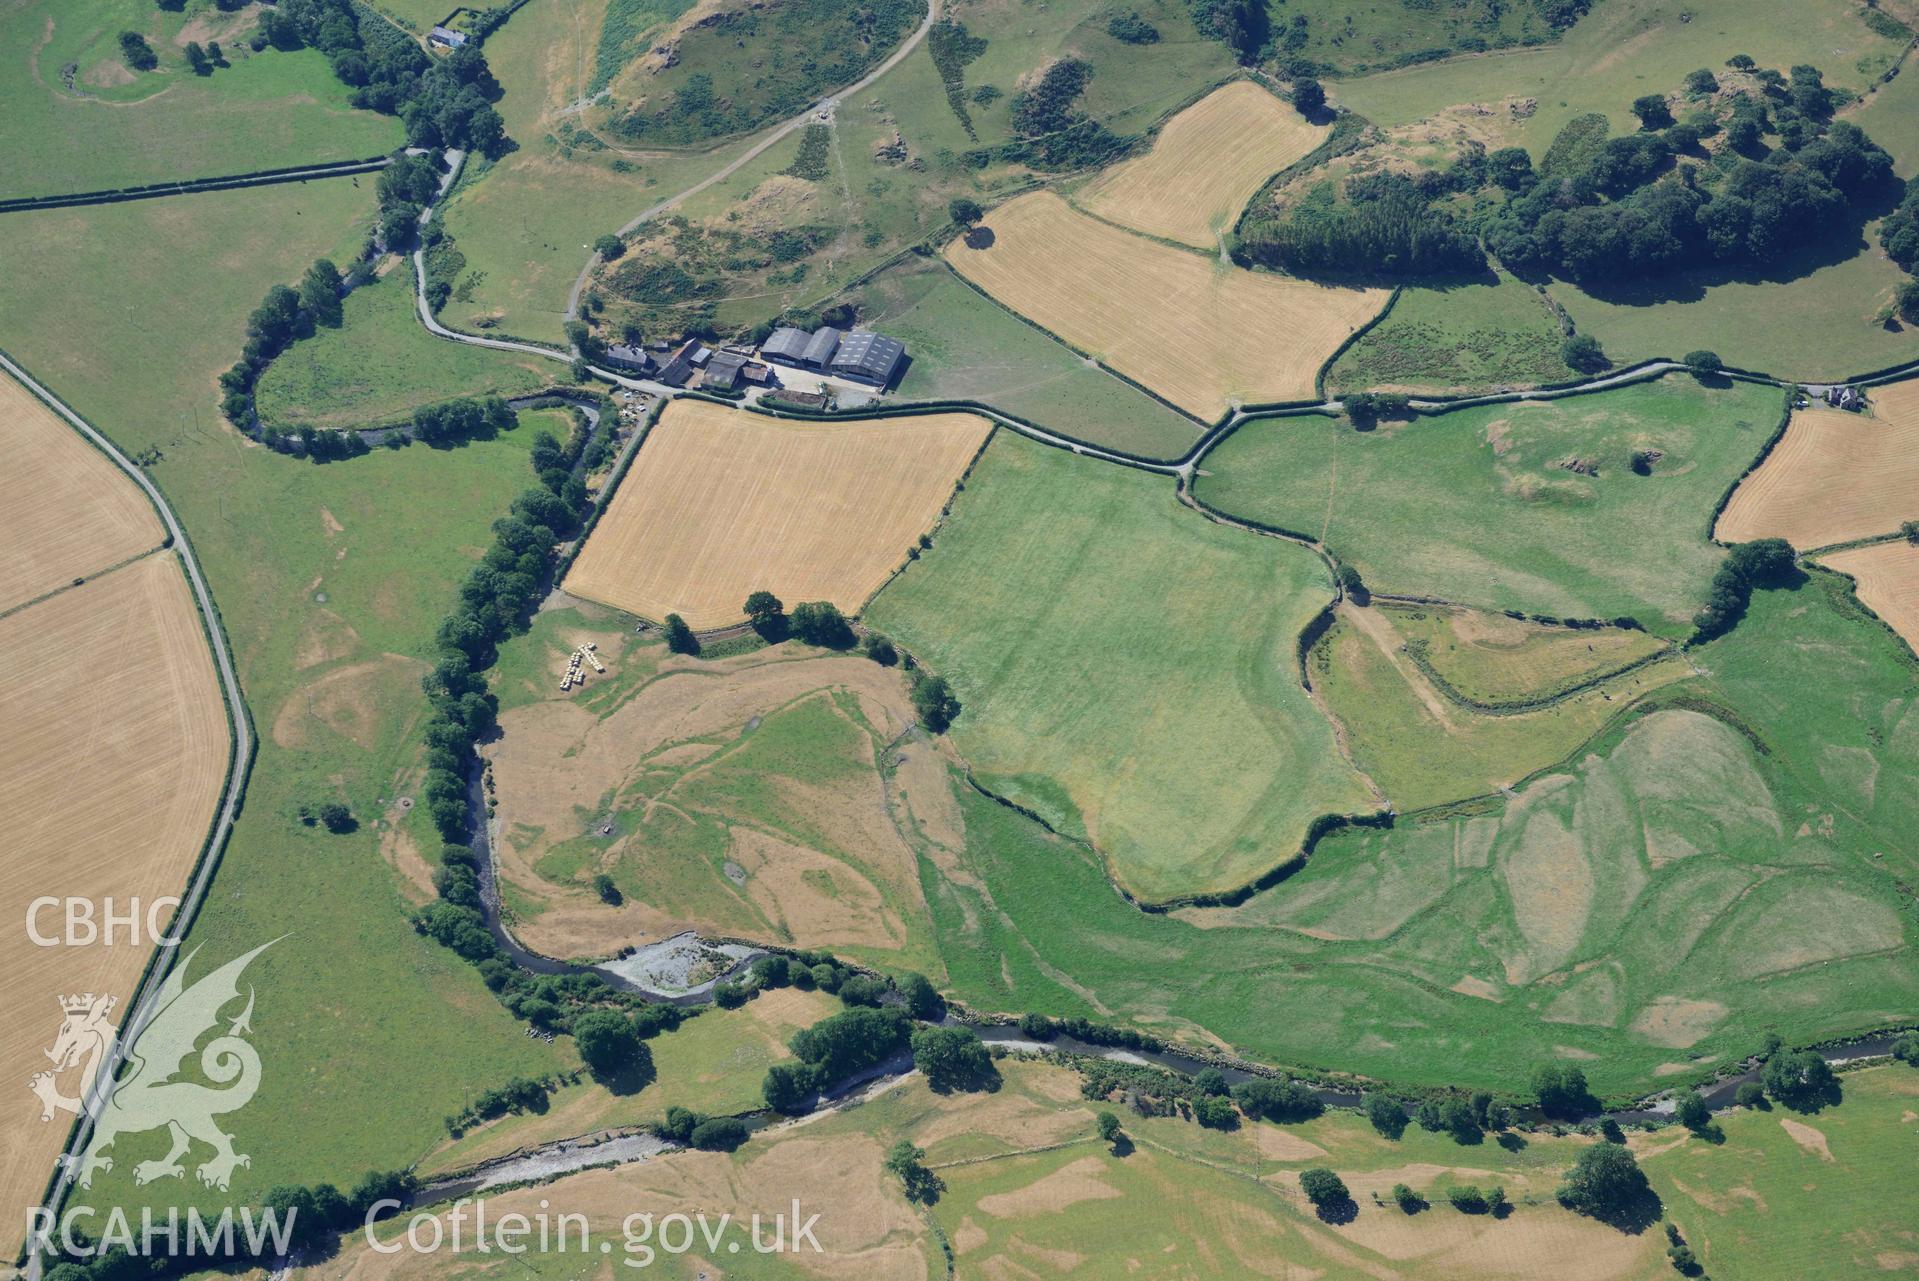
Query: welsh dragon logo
{"type": "Point", "coordinates": [149, 1097]}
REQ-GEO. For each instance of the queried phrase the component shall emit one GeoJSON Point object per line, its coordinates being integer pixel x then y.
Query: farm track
{"type": "Point", "coordinates": [141, 1010]}
{"type": "Point", "coordinates": [824, 106]}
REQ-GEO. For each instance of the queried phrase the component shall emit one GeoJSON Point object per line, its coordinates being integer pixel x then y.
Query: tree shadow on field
{"type": "Point", "coordinates": [630, 1079]}
{"type": "Point", "coordinates": [1337, 1212]}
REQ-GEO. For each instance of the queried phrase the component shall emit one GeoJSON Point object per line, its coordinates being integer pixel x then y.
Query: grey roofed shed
{"type": "Point", "coordinates": [723, 371]}
{"type": "Point", "coordinates": [869, 357]}
{"type": "Point", "coordinates": [787, 344]}
{"type": "Point", "coordinates": [820, 347]}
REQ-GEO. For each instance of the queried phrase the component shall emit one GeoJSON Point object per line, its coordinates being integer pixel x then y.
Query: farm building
{"type": "Point", "coordinates": [447, 38]}
{"type": "Point", "coordinates": [868, 358]}
{"type": "Point", "coordinates": [863, 356]}
{"type": "Point", "coordinates": [800, 349]}
{"type": "Point", "coordinates": [723, 371]}
{"type": "Point", "coordinates": [675, 369]}
{"type": "Point", "coordinates": [634, 358]}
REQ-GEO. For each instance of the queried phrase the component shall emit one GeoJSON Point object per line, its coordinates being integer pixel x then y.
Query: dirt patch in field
{"type": "Point", "coordinates": [1836, 476]}
{"type": "Point", "coordinates": [1676, 1022]}
{"type": "Point", "coordinates": [66, 511]}
{"type": "Point", "coordinates": [347, 700]}
{"type": "Point", "coordinates": [806, 893]}
{"type": "Point", "coordinates": [1470, 986]}
{"type": "Point", "coordinates": [1550, 883]}
{"type": "Point", "coordinates": [1204, 166]}
{"type": "Point", "coordinates": [720, 503]}
{"type": "Point", "coordinates": [1812, 1140]}
{"type": "Point", "coordinates": [325, 637]}
{"type": "Point", "coordinates": [1533, 1242]}
{"type": "Point", "coordinates": [1208, 336]}
{"type": "Point", "coordinates": [1064, 1188]}
{"type": "Point", "coordinates": [1013, 1119]}
{"type": "Point", "coordinates": [1888, 582]}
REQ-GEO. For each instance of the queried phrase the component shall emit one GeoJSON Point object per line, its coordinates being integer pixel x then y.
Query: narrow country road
{"type": "Point", "coordinates": [141, 1010]}
{"type": "Point", "coordinates": [825, 105]}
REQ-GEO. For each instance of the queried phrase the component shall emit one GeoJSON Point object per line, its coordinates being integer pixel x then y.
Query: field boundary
{"type": "Point", "coordinates": [1765, 452]}
{"type": "Point", "coordinates": [1522, 707]}
{"type": "Point", "coordinates": [242, 746]}
{"type": "Point", "coordinates": [82, 580]}
{"type": "Point", "coordinates": [192, 186]}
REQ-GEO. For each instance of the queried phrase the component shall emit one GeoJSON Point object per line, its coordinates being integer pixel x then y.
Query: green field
{"type": "Point", "coordinates": [1423, 747]}
{"type": "Point", "coordinates": [113, 128]}
{"type": "Point", "coordinates": [1479, 506]}
{"type": "Point", "coordinates": [1468, 337]}
{"type": "Point", "coordinates": [1823, 323]}
{"type": "Point", "coordinates": [1649, 910]}
{"type": "Point", "coordinates": [1624, 48]}
{"type": "Point", "coordinates": [330, 582]}
{"type": "Point", "coordinates": [1768, 1206]}
{"type": "Point", "coordinates": [1127, 668]}
{"type": "Point", "coordinates": [965, 347]}
{"type": "Point", "coordinates": [382, 364]}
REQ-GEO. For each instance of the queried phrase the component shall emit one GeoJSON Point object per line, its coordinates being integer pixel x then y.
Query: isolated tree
{"type": "Point", "coordinates": [881, 650]}
{"type": "Point", "coordinates": [320, 293]}
{"type": "Point", "coordinates": [198, 60]}
{"type": "Point", "coordinates": [1457, 1114]}
{"type": "Point", "coordinates": [964, 210]}
{"type": "Point", "coordinates": [1907, 300]}
{"type": "Point", "coordinates": [609, 892]}
{"type": "Point", "coordinates": [1264, 1098]}
{"type": "Point", "coordinates": [1467, 1198]}
{"type": "Point", "coordinates": [1323, 1188]}
{"type": "Point", "coordinates": [1604, 1182]}
{"type": "Point", "coordinates": [1652, 110]}
{"type": "Point", "coordinates": [766, 613]}
{"type": "Point", "coordinates": [1407, 1199]}
{"type": "Point", "coordinates": [819, 622]}
{"type": "Point", "coordinates": [1309, 97]}
{"type": "Point", "coordinates": [1702, 81]}
{"type": "Point", "coordinates": [214, 55]}
{"type": "Point", "coordinates": [1906, 1048]}
{"type": "Point", "coordinates": [1703, 361]}
{"type": "Point", "coordinates": [1693, 1112]}
{"type": "Point", "coordinates": [908, 1164]}
{"type": "Point", "coordinates": [609, 247]}
{"type": "Point", "coordinates": [138, 53]}
{"type": "Point", "coordinates": [1750, 1094]}
{"type": "Point", "coordinates": [1109, 1129]}
{"type": "Point", "coordinates": [1583, 353]}
{"type": "Point", "coordinates": [1740, 62]}
{"type": "Point", "coordinates": [1210, 1081]}
{"type": "Point", "coordinates": [336, 818]}
{"type": "Point", "coordinates": [934, 702]}
{"type": "Point", "coordinates": [1387, 1114]}
{"type": "Point", "coordinates": [788, 1087]}
{"type": "Point", "coordinates": [679, 637]}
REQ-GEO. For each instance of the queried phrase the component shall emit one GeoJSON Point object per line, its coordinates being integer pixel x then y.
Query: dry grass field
{"type": "Point", "coordinates": [720, 504]}
{"type": "Point", "coordinates": [1205, 165]}
{"type": "Point", "coordinates": [1835, 477]}
{"type": "Point", "coordinates": [736, 796]}
{"type": "Point", "coordinates": [64, 511]}
{"type": "Point", "coordinates": [1888, 577]}
{"type": "Point", "coordinates": [1201, 335]}
{"type": "Point", "coordinates": [115, 750]}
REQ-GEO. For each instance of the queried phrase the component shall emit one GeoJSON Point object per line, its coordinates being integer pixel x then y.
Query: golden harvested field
{"type": "Point", "coordinates": [110, 768]}
{"type": "Point", "coordinates": [1835, 477]}
{"type": "Point", "coordinates": [1888, 575]}
{"type": "Point", "coordinates": [720, 504]}
{"type": "Point", "coordinates": [1205, 165]}
{"type": "Point", "coordinates": [65, 510]}
{"type": "Point", "coordinates": [1201, 335]}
